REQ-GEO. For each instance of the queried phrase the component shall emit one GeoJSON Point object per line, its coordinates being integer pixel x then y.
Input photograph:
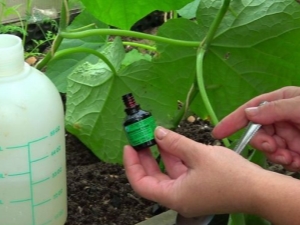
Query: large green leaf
{"type": "Point", "coordinates": [95, 111]}
{"type": "Point", "coordinates": [189, 11]}
{"type": "Point", "coordinates": [183, 29]}
{"type": "Point", "coordinates": [256, 50]}
{"type": "Point", "coordinates": [135, 55]}
{"type": "Point", "coordinates": [124, 13]}
{"type": "Point", "coordinates": [89, 96]}
{"type": "Point", "coordinates": [58, 70]}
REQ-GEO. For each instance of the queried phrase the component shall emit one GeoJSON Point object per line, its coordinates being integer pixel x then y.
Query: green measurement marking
{"type": "Point", "coordinates": [16, 147]}
{"type": "Point", "coordinates": [30, 177]}
{"type": "Point", "coordinates": [1, 202]}
{"type": "Point", "coordinates": [59, 214]}
{"type": "Point", "coordinates": [31, 188]}
{"type": "Point", "coordinates": [42, 203]}
{"type": "Point", "coordinates": [18, 174]}
{"type": "Point", "coordinates": [57, 172]}
{"type": "Point", "coordinates": [36, 160]}
{"type": "Point", "coordinates": [23, 146]}
{"type": "Point", "coordinates": [56, 151]}
{"type": "Point", "coordinates": [55, 131]}
{"type": "Point", "coordinates": [57, 194]}
{"type": "Point", "coordinates": [27, 145]}
{"type": "Point", "coordinates": [37, 140]}
{"type": "Point", "coordinates": [48, 222]}
{"type": "Point", "coordinates": [22, 200]}
{"type": "Point", "coordinates": [41, 181]}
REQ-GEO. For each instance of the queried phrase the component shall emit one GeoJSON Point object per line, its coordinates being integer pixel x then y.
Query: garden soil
{"type": "Point", "coordinates": [99, 192]}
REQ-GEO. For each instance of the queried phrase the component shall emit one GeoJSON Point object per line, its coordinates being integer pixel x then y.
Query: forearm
{"type": "Point", "coordinates": [277, 199]}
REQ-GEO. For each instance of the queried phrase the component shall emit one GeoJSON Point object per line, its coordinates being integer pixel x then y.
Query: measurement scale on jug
{"type": "Point", "coordinates": [25, 185]}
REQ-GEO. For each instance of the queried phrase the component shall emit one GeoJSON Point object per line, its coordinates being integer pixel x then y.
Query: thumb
{"type": "Point", "coordinates": [177, 145]}
{"type": "Point", "coordinates": [275, 111]}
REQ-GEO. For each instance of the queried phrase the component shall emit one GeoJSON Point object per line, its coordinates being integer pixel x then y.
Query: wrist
{"type": "Point", "coordinates": [276, 197]}
{"type": "Point", "coordinates": [256, 181]}
{"type": "Point", "coordinates": [257, 186]}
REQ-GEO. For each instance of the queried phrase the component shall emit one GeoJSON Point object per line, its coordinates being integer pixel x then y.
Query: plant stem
{"type": "Point", "coordinates": [3, 6]}
{"type": "Point", "coordinates": [82, 34]}
{"type": "Point", "coordinates": [215, 25]}
{"type": "Point", "coordinates": [193, 91]}
{"type": "Point", "coordinates": [28, 8]}
{"type": "Point", "coordinates": [64, 16]}
{"type": "Point", "coordinates": [201, 86]}
{"type": "Point", "coordinates": [174, 14]}
{"type": "Point", "coordinates": [202, 90]}
{"type": "Point", "coordinates": [36, 47]}
{"type": "Point", "coordinates": [43, 32]}
{"type": "Point", "coordinates": [65, 52]}
{"type": "Point", "coordinates": [191, 95]}
{"type": "Point", "coordinates": [64, 21]}
{"type": "Point", "coordinates": [84, 27]}
{"type": "Point", "coordinates": [199, 63]}
{"type": "Point", "coordinates": [139, 45]}
{"type": "Point", "coordinates": [50, 54]}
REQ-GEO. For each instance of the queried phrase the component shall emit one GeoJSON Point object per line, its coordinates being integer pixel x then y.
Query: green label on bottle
{"type": "Point", "coordinates": [141, 131]}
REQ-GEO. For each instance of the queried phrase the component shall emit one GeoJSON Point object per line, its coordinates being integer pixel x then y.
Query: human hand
{"type": "Point", "coordinates": [279, 137]}
{"type": "Point", "coordinates": [200, 179]}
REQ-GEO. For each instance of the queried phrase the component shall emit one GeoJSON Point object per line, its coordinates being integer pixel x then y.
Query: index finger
{"type": "Point", "coordinates": [237, 119]}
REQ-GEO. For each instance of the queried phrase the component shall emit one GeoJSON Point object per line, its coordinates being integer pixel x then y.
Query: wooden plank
{"type": "Point", "coordinates": [166, 218]}
{"type": "Point", "coordinates": [40, 4]}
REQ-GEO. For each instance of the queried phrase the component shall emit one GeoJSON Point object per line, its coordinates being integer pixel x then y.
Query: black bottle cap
{"type": "Point", "coordinates": [129, 102]}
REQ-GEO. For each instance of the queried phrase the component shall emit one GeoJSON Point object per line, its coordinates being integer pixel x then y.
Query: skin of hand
{"type": "Point", "coordinates": [279, 137]}
{"type": "Point", "coordinates": [205, 180]}
{"type": "Point", "coordinates": [199, 178]}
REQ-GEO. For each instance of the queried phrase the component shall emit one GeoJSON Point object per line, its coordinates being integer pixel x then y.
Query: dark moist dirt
{"type": "Point", "coordinates": [99, 193]}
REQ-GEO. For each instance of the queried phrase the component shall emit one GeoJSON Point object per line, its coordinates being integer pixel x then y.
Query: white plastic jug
{"type": "Point", "coordinates": [32, 143]}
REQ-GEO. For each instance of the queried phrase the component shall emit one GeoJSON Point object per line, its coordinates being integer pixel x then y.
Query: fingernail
{"type": "Point", "coordinates": [160, 132]}
{"type": "Point", "coordinates": [281, 160]}
{"type": "Point", "coordinates": [251, 111]}
{"type": "Point", "coordinates": [267, 147]}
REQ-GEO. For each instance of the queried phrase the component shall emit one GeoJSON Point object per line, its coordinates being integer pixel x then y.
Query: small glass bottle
{"type": "Point", "coordinates": [139, 125]}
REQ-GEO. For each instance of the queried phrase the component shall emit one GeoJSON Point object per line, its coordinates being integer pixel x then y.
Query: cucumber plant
{"type": "Point", "coordinates": [231, 52]}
